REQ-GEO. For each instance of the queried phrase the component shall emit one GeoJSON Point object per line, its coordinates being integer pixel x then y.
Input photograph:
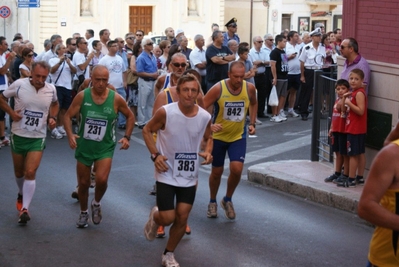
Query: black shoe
{"type": "Point", "coordinates": [360, 181]}
{"type": "Point", "coordinates": [331, 178]}
{"type": "Point", "coordinates": [340, 179]}
{"type": "Point", "coordinates": [122, 127]}
{"type": "Point", "coordinates": [304, 117]}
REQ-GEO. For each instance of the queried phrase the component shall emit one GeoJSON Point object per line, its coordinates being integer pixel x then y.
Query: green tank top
{"type": "Point", "coordinates": [97, 126]}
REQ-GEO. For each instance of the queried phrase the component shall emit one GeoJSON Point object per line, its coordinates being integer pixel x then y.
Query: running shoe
{"type": "Point", "coordinates": [258, 122]}
{"type": "Point", "coordinates": [161, 231]}
{"type": "Point", "coordinates": [55, 134]}
{"type": "Point", "coordinates": [5, 142]}
{"type": "Point", "coordinates": [150, 228]}
{"type": "Point", "coordinates": [228, 209]}
{"type": "Point", "coordinates": [61, 130]}
{"type": "Point", "coordinates": [96, 216]}
{"type": "Point", "coordinates": [75, 194]}
{"type": "Point", "coordinates": [23, 216]}
{"type": "Point", "coordinates": [19, 202]}
{"type": "Point", "coordinates": [282, 114]}
{"type": "Point", "coordinates": [188, 230]}
{"type": "Point", "coordinates": [168, 260]}
{"type": "Point", "coordinates": [360, 181]}
{"type": "Point", "coordinates": [282, 118]}
{"type": "Point", "coordinates": [212, 210]}
{"type": "Point", "coordinates": [83, 219]}
{"type": "Point", "coordinates": [153, 191]}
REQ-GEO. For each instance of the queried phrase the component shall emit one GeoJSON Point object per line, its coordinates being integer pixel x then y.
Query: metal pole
{"type": "Point", "coordinates": [4, 24]}
{"type": "Point", "coordinates": [28, 23]}
{"type": "Point", "coordinates": [251, 21]}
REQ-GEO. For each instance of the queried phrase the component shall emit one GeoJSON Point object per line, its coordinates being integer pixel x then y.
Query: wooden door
{"type": "Point", "coordinates": [140, 18]}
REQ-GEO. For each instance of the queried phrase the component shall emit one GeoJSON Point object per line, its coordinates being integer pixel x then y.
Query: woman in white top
{"type": "Point", "coordinates": [26, 65]}
{"type": "Point", "coordinates": [97, 54]}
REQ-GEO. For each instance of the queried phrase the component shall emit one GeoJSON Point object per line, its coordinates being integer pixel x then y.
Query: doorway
{"type": "Point", "coordinates": [140, 18]}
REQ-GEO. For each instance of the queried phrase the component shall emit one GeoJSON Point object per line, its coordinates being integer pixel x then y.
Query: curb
{"type": "Point", "coordinates": [289, 177]}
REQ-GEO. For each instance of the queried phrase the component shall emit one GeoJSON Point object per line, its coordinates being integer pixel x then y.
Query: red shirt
{"type": "Point", "coordinates": [356, 124]}
{"type": "Point", "coordinates": [337, 123]}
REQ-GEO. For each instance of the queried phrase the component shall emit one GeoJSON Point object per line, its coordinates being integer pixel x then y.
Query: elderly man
{"type": "Point", "coordinates": [36, 104]}
{"type": "Point", "coordinates": [311, 58]}
{"type": "Point", "coordinates": [217, 58]}
{"type": "Point", "coordinates": [233, 46]}
{"type": "Point", "coordinates": [231, 33]}
{"type": "Point", "coordinates": [95, 142]}
{"type": "Point", "coordinates": [183, 46]}
{"type": "Point", "coordinates": [55, 39]}
{"type": "Point", "coordinates": [146, 65]}
{"type": "Point", "coordinates": [198, 59]}
{"type": "Point", "coordinates": [261, 59]}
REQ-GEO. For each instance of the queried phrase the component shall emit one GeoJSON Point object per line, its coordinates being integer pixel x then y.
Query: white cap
{"type": "Point", "coordinates": [316, 32]}
{"type": "Point", "coordinates": [179, 31]}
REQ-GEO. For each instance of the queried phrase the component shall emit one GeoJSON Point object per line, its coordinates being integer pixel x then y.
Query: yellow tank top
{"type": "Point", "coordinates": [384, 245]}
{"type": "Point", "coordinates": [230, 110]}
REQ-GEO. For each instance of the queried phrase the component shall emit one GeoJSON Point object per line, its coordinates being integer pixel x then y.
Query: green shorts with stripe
{"type": "Point", "coordinates": [23, 145]}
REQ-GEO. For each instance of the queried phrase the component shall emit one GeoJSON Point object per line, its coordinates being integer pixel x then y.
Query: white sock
{"type": "Point", "coordinates": [95, 202]}
{"type": "Point", "coordinates": [20, 183]}
{"type": "Point", "coordinates": [281, 110]}
{"type": "Point", "coordinates": [27, 191]}
{"type": "Point", "coordinates": [290, 109]}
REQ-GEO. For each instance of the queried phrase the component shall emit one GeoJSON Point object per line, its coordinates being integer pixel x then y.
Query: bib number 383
{"type": "Point", "coordinates": [185, 165]}
{"type": "Point", "coordinates": [95, 129]}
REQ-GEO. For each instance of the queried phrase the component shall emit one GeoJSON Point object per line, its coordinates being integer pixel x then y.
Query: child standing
{"type": "Point", "coordinates": [356, 126]}
{"type": "Point", "coordinates": [337, 133]}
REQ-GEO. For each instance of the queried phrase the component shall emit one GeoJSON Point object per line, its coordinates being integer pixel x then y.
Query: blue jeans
{"type": "Point", "coordinates": [121, 117]}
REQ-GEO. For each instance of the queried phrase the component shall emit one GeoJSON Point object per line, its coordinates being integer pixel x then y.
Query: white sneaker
{"type": "Point", "coordinates": [258, 122]}
{"type": "Point", "coordinates": [61, 130]}
{"type": "Point", "coordinates": [282, 118]}
{"type": "Point", "coordinates": [275, 119]}
{"type": "Point", "coordinates": [168, 260]}
{"type": "Point", "coordinates": [282, 114]}
{"type": "Point", "coordinates": [292, 113]}
{"type": "Point", "coordinates": [55, 134]}
{"type": "Point", "coordinates": [5, 142]}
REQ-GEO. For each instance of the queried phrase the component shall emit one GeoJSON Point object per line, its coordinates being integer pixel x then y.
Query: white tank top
{"type": "Point", "coordinates": [180, 143]}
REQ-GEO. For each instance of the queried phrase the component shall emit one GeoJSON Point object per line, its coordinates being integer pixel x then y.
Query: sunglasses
{"type": "Point", "coordinates": [139, 34]}
{"type": "Point", "coordinates": [343, 47]}
{"type": "Point", "coordinates": [259, 42]}
{"type": "Point", "coordinates": [131, 38]}
{"type": "Point", "coordinates": [271, 40]}
{"type": "Point", "coordinates": [149, 43]}
{"type": "Point", "coordinates": [122, 42]}
{"type": "Point", "coordinates": [84, 43]}
{"type": "Point", "coordinates": [73, 44]}
{"type": "Point", "coordinates": [178, 65]}
{"type": "Point", "coordinates": [29, 55]}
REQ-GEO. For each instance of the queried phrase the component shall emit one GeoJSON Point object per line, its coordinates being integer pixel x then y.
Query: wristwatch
{"type": "Point", "coordinates": [154, 156]}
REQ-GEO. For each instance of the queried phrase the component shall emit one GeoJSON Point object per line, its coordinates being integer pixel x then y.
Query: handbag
{"type": "Point", "coordinates": [131, 78]}
{"type": "Point", "coordinates": [273, 98]}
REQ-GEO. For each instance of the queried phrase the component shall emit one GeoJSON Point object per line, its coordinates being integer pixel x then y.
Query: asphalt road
{"type": "Point", "coordinates": [272, 228]}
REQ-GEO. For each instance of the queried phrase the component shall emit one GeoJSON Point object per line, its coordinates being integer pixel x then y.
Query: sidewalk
{"type": "Point", "coordinates": [306, 179]}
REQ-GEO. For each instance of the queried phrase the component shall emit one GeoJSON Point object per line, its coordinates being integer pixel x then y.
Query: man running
{"type": "Point", "coordinates": [35, 103]}
{"type": "Point", "coordinates": [95, 142]}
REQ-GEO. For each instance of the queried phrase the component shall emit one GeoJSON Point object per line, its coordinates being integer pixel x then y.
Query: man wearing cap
{"type": "Point", "coordinates": [311, 58]}
{"type": "Point", "coordinates": [179, 33]}
{"type": "Point", "coordinates": [231, 32]}
{"type": "Point", "coordinates": [321, 26]}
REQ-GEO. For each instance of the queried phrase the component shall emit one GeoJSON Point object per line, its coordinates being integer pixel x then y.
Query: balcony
{"type": "Point", "coordinates": [329, 4]}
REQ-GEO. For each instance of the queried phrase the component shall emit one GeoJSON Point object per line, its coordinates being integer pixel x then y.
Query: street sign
{"type": "Point", "coordinates": [28, 3]}
{"type": "Point", "coordinates": [5, 12]}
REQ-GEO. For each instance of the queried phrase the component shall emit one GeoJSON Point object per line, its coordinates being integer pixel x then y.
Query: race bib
{"type": "Point", "coordinates": [234, 111]}
{"type": "Point", "coordinates": [185, 165]}
{"type": "Point", "coordinates": [32, 120]}
{"type": "Point", "coordinates": [95, 129]}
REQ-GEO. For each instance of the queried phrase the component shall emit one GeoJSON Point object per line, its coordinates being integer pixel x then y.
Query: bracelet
{"type": "Point", "coordinates": [54, 118]}
{"type": "Point", "coordinates": [252, 124]}
{"type": "Point", "coordinates": [127, 137]}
